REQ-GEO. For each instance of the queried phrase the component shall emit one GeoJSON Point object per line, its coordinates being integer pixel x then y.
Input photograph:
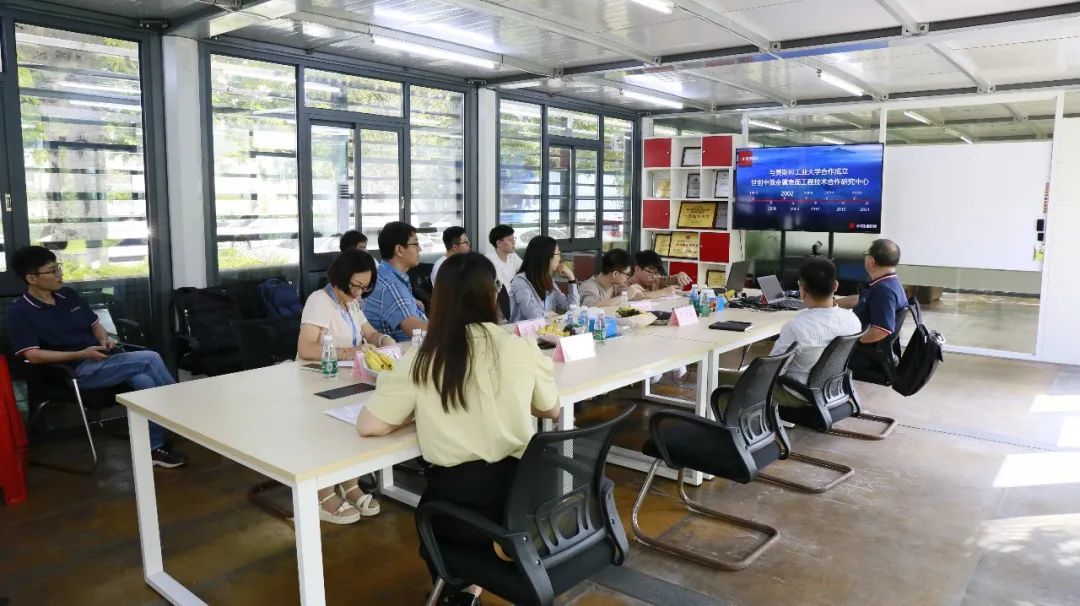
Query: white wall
{"type": "Point", "coordinates": [969, 206]}
{"type": "Point", "coordinates": [488, 170]}
{"type": "Point", "coordinates": [1059, 327]}
{"type": "Point", "coordinates": [184, 160]}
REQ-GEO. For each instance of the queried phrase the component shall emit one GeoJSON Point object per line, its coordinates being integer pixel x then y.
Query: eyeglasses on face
{"type": "Point", "coordinates": [464, 242]}
{"type": "Point", "coordinates": [56, 271]}
{"type": "Point", "coordinates": [651, 271]}
{"type": "Point", "coordinates": [416, 244]}
{"type": "Point", "coordinates": [620, 272]}
{"type": "Point", "coordinates": [354, 287]}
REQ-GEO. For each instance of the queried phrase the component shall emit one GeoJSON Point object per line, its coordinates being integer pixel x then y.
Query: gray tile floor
{"type": "Point", "coordinates": [999, 322]}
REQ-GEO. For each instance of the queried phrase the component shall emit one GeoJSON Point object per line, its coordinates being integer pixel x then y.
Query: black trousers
{"type": "Point", "coordinates": [479, 486]}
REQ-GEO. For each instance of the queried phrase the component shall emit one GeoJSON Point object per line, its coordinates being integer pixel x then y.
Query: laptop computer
{"type": "Point", "coordinates": [736, 277]}
{"type": "Point", "coordinates": [774, 294]}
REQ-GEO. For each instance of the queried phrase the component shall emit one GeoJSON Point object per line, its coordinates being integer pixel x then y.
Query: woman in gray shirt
{"type": "Point", "coordinates": [532, 291]}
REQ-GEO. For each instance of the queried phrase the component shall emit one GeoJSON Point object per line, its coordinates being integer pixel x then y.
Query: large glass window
{"type": "Point", "coordinates": [520, 160]}
{"type": "Point", "coordinates": [437, 148]}
{"type": "Point", "coordinates": [618, 182]}
{"type": "Point", "coordinates": [82, 136]}
{"type": "Point", "coordinates": [331, 90]}
{"type": "Point", "coordinates": [255, 167]}
{"type": "Point", "coordinates": [566, 123]}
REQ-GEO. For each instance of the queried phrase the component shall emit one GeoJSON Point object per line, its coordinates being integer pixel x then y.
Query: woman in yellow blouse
{"type": "Point", "coordinates": [473, 389]}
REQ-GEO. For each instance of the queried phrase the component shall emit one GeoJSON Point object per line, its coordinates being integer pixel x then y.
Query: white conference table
{"type": "Point", "coordinates": [270, 421]}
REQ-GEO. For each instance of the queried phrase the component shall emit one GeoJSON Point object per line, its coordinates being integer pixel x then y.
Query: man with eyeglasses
{"type": "Point", "coordinates": [605, 288]}
{"type": "Point", "coordinates": [649, 275]}
{"type": "Point", "coordinates": [877, 304]}
{"type": "Point", "coordinates": [391, 307]}
{"type": "Point", "coordinates": [52, 324]}
{"type": "Point", "coordinates": [456, 241]}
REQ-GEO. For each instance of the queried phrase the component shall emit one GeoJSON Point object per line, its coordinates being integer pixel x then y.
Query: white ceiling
{"type": "Point", "coordinates": [527, 37]}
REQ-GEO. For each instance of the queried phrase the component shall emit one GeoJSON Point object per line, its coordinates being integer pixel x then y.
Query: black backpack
{"type": "Point", "coordinates": [920, 358]}
{"type": "Point", "coordinates": [206, 315]}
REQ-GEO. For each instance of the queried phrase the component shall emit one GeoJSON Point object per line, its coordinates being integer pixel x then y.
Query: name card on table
{"type": "Point", "coordinates": [360, 369]}
{"type": "Point", "coordinates": [642, 305]}
{"type": "Point", "coordinates": [529, 328]}
{"type": "Point", "coordinates": [683, 316]}
{"type": "Point", "coordinates": [577, 347]}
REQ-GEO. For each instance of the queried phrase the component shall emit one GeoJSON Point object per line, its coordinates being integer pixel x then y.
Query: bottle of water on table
{"type": "Point", "coordinates": [329, 357]}
{"type": "Point", "coordinates": [600, 327]}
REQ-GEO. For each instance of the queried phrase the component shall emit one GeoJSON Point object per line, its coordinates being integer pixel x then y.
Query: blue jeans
{"type": "Point", "coordinates": [138, 369]}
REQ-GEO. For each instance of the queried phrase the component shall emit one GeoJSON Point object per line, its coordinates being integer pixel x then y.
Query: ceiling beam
{"type": "Point", "coordinates": [207, 24]}
{"type": "Point", "coordinates": [962, 64]}
{"type": "Point", "coordinates": [739, 84]}
{"type": "Point", "coordinates": [1017, 115]}
{"type": "Point", "coordinates": [724, 22]}
{"type": "Point", "coordinates": [899, 12]}
{"type": "Point", "coordinates": [818, 65]}
{"type": "Point", "coordinates": [558, 24]}
{"type": "Point", "coordinates": [687, 102]}
{"type": "Point", "coordinates": [340, 20]}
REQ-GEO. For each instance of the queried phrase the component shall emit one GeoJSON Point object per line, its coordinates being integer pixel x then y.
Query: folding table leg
{"type": "Point", "coordinates": [145, 497]}
{"type": "Point", "coordinates": [308, 543]}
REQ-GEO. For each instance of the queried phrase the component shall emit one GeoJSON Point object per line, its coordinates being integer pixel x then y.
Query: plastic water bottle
{"type": "Point", "coordinates": [572, 315]}
{"type": "Point", "coordinates": [599, 327]}
{"type": "Point", "coordinates": [694, 296]}
{"type": "Point", "coordinates": [329, 357]}
{"type": "Point", "coordinates": [583, 318]}
{"type": "Point", "coordinates": [417, 337]}
{"type": "Point", "coordinates": [624, 301]}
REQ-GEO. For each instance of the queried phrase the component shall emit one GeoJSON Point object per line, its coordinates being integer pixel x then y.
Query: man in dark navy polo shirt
{"type": "Point", "coordinates": [877, 304]}
{"type": "Point", "coordinates": [51, 324]}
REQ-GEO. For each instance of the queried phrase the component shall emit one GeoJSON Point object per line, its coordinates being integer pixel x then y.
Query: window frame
{"type": "Point", "coordinates": [312, 265]}
{"type": "Point", "coordinates": [546, 140]}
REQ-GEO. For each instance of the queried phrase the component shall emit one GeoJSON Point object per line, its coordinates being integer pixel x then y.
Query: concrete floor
{"type": "Point", "coordinates": [1001, 322]}
{"type": "Point", "coordinates": [974, 499]}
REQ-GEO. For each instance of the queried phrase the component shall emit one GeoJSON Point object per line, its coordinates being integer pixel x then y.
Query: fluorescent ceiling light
{"type": "Point", "coordinates": [917, 117]}
{"type": "Point", "coordinates": [832, 140]}
{"type": "Point", "coordinates": [431, 51]}
{"type": "Point", "coordinates": [768, 125]}
{"type": "Point", "coordinates": [656, 5]}
{"type": "Point", "coordinates": [629, 94]}
{"type": "Point", "coordinates": [522, 84]}
{"type": "Point", "coordinates": [445, 32]}
{"type": "Point", "coordinates": [839, 82]}
{"type": "Point", "coordinates": [673, 87]}
{"type": "Point", "coordinates": [966, 139]}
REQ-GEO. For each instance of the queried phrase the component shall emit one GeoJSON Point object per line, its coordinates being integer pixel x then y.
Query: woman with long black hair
{"type": "Point", "coordinates": [473, 388]}
{"type": "Point", "coordinates": [532, 291]}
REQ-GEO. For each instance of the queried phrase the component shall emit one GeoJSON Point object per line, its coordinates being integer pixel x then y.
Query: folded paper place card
{"type": "Point", "coordinates": [577, 347]}
{"type": "Point", "coordinates": [529, 328]}
{"type": "Point", "coordinates": [683, 316]}
{"type": "Point", "coordinates": [642, 305]}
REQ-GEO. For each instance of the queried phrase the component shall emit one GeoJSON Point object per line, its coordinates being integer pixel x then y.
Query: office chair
{"type": "Point", "coordinates": [561, 524]}
{"type": "Point", "coordinates": [745, 437]}
{"type": "Point", "coordinates": [831, 394]}
{"type": "Point", "coordinates": [876, 363]}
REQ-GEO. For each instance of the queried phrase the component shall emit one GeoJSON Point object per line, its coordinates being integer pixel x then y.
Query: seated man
{"type": "Point", "coordinates": [391, 308]}
{"type": "Point", "coordinates": [51, 324]}
{"type": "Point", "coordinates": [504, 256]}
{"type": "Point", "coordinates": [604, 288]}
{"type": "Point", "coordinates": [353, 239]}
{"type": "Point", "coordinates": [649, 275]}
{"type": "Point", "coordinates": [813, 328]}
{"type": "Point", "coordinates": [877, 305]}
{"type": "Point", "coordinates": [456, 241]}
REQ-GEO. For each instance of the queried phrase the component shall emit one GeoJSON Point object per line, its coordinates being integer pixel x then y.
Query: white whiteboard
{"type": "Point", "coordinates": [971, 206]}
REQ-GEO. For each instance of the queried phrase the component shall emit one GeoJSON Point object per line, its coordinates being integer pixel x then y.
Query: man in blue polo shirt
{"type": "Point", "coordinates": [51, 324]}
{"type": "Point", "coordinates": [877, 304]}
{"type": "Point", "coordinates": [391, 307]}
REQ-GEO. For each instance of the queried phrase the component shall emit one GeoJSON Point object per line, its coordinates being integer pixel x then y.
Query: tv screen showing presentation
{"type": "Point", "coordinates": [815, 188]}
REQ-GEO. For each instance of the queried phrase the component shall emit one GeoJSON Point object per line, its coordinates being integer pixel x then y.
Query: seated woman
{"type": "Point", "coordinates": [335, 309]}
{"type": "Point", "coordinates": [532, 291]}
{"type": "Point", "coordinates": [604, 289]}
{"type": "Point", "coordinates": [471, 387]}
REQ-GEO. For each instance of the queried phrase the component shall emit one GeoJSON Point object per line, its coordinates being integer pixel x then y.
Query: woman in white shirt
{"type": "Point", "coordinates": [473, 389]}
{"type": "Point", "coordinates": [532, 291]}
{"type": "Point", "coordinates": [335, 309]}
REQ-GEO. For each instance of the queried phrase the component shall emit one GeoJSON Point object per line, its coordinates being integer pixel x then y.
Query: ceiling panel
{"type": "Point", "coordinates": [136, 9]}
{"type": "Point", "coordinates": [784, 20]}
{"type": "Point", "coordinates": [1053, 59]}
{"type": "Point", "coordinates": [784, 77]}
{"type": "Point", "coordinates": [677, 36]}
{"type": "Point", "coordinates": [296, 34]}
{"type": "Point", "coordinates": [902, 68]}
{"type": "Point", "coordinates": [938, 10]}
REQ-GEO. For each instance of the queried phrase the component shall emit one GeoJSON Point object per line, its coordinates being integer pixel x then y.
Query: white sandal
{"type": "Point", "coordinates": [366, 504]}
{"type": "Point", "coordinates": [344, 514]}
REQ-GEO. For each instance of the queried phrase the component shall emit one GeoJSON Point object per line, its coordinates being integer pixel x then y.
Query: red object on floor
{"type": "Point", "coordinates": [14, 448]}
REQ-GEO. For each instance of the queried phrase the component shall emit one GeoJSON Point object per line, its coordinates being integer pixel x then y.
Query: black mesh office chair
{"type": "Point", "coordinates": [203, 330]}
{"type": "Point", "coordinates": [745, 437]}
{"type": "Point", "coordinates": [561, 524]}
{"type": "Point", "coordinates": [877, 362]}
{"type": "Point", "coordinates": [503, 299]}
{"type": "Point", "coordinates": [420, 280]}
{"type": "Point", "coordinates": [49, 385]}
{"type": "Point", "coordinates": [831, 394]}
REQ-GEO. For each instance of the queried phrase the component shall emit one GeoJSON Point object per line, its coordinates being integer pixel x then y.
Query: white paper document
{"type": "Point", "coordinates": [347, 413]}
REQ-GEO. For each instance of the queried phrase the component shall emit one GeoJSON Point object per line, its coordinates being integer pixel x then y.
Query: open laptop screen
{"type": "Point", "coordinates": [770, 287]}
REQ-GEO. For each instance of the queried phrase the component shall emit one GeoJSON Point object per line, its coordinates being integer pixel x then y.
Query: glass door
{"type": "Point", "coordinates": [355, 183]}
{"type": "Point", "coordinates": [6, 209]}
{"type": "Point", "coordinates": [572, 211]}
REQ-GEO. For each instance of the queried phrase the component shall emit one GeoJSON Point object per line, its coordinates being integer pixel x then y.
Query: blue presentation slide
{"type": "Point", "coordinates": [815, 188]}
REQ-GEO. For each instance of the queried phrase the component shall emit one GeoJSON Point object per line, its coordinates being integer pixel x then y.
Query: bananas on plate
{"type": "Point", "coordinates": [554, 329]}
{"type": "Point", "coordinates": [378, 361]}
